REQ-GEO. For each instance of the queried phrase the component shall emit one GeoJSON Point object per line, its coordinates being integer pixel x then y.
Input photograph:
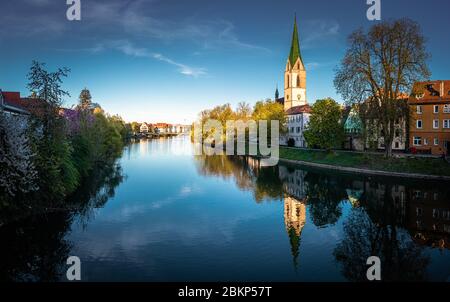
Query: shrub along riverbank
{"type": "Point", "coordinates": [418, 165]}
{"type": "Point", "coordinates": [46, 156]}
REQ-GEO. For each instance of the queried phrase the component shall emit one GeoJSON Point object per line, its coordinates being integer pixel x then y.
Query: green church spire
{"type": "Point", "coordinates": [295, 46]}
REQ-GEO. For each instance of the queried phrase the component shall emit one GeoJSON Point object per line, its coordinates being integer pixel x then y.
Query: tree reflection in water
{"type": "Point", "coordinates": [247, 173]}
{"type": "Point", "coordinates": [401, 258]}
{"type": "Point", "coordinates": [392, 219]}
{"type": "Point", "coordinates": [35, 247]}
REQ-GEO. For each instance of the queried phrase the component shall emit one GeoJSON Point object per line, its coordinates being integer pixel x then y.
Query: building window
{"type": "Point", "coordinates": [436, 109]}
{"type": "Point", "coordinates": [397, 145]}
{"type": "Point", "coordinates": [419, 212]}
{"type": "Point", "coordinates": [298, 129]}
{"type": "Point", "coordinates": [419, 109]}
{"type": "Point", "coordinates": [292, 129]}
{"type": "Point", "coordinates": [419, 124]}
{"type": "Point", "coordinates": [298, 81]}
{"type": "Point", "coordinates": [446, 108]}
{"type": "Point", "coordinates": [446, 124]}
{"type": "Point", "coordinates": [435, 213]}
{"type": "Point", "coordinates": [436, 141]}
{"type": "Point", "coordinates": [435, 124]}
{"type": "Point", "coordinates": [417, 141]}
{"type": "Point", "coordinates": [425, 141]}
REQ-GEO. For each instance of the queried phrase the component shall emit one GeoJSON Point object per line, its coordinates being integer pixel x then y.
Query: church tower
{"type": "Point", "coordinates": [294, 75]}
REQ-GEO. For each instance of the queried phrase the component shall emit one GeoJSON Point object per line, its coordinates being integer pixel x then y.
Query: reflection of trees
{"type": "Point", "coordinates": [226, 167]}
{"type": "Point", "coordinates": [246, 172]}
{"type": "Point", "coordinates": [268, 184]}
{"type": "Point", "coordinates": [35, 247]}
{"type": "Point", "coordinates": [97, 189]}
{"type": "Point", "coordinates": [372, 229]}
{"type": "Point", "coordinates": [401, 259]}
{"type": "Point", "coordinates": [324, 197]}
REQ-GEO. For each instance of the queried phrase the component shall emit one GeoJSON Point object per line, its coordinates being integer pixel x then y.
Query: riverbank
{"type": "Point", "coordinates": [414, 167]}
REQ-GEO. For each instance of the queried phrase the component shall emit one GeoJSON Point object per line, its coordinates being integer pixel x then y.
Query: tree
{"type": "Point", "coordinates": [270, 111]}
{"type": "Point", "coordinates": [17, 172]}
{"type": "Point", "coordinates": [243, 111]}
{"type": "Point", "coordinates": [222, 114]}
{"type": "Point", "coordinates": [325, 129]}
{"type": "Point", "coordinates": [380, 66]}
{"type": "Point", "coordinates": [135, 127]}
{"type": "Point", "coordinates": [58, 175]}
{"type": "Point", "coordinates": [46, 86]}
{"type": "Point", "coordinates": [85, 100]}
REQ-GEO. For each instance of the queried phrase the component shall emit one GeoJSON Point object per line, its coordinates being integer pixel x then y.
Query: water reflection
{"type": "Point", "coordinates": [390, 218]}
{"type": "Point", "coordinates": [36, 248]}
{"type": "Point", "coordinates": [206, 218]}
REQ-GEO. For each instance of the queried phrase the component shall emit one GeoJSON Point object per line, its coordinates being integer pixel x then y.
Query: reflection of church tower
{"type": "Point", "coordinates": [294, 219]}
{"type": "Point", "coordinates": [294, 75]}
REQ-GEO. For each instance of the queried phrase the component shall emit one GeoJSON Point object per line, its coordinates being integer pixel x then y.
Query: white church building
{"type": "Point", "coordinates": [295, 103]}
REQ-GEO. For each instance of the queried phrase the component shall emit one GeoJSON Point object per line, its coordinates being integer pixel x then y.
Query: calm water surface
{"type": "Point", "coordinates": [165, 215]}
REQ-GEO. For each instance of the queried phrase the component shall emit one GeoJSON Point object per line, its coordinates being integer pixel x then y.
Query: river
{"type": "Point", "coordinates": [163, 214]}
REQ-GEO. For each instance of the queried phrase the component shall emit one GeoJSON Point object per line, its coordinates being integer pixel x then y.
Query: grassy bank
{"type": "Point", "coordinates": [429, 166]}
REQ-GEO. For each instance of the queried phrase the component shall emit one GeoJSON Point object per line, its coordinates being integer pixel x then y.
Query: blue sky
{"type": "Point", "coordinates": [165, 60]}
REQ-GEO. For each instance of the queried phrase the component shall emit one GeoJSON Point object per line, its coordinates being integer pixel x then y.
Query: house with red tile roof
{"type": "Point", "coordinates": [13, 103]}
{"type": "Point", "coordinates": [10, 102]}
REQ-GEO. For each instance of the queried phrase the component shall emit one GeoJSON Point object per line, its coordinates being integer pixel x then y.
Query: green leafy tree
{"type": "Point", "coordinates": [58, 175]}
{"type": "Point", "coordinates": [270, 111]}
{"type": "Point", "coordinates": [135, 127]}
{"type": "Point", "coordinates": [85, 100]}
{"type": "Point", "coordinates": [325, 129]}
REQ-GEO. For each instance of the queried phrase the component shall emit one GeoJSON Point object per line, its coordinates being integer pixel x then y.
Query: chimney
{"type": "Point", "coordinates": [442, 89]}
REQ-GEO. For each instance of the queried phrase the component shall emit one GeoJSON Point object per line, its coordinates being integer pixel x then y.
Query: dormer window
{"type": "Point", "coordinates": [446, 108]}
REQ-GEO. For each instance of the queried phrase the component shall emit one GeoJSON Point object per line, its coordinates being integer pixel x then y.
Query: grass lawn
{"type": "Point", "coordinates": [429, 166]}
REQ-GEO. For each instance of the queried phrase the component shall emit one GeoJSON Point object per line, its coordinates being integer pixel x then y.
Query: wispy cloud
{"type": "Point", "coordinates": [318, 65]}
{"type": "Point", "coordinates": [208, 34]}
{"type": "Point", "coordinates": [129, 49]}
{"type": "Point", "coordinates": [319, 31]}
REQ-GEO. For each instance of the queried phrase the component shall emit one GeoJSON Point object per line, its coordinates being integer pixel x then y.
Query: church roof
{"type": "Point", "coordinates": [299, 110]}
{"type": "Point", "coordinates": [295, 46]}
{"type": "Point", "coordinates": [280, 101]}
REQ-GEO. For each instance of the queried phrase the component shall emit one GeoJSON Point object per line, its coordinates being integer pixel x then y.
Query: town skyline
{"type": "Point", "coordinates": [211, 62]}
